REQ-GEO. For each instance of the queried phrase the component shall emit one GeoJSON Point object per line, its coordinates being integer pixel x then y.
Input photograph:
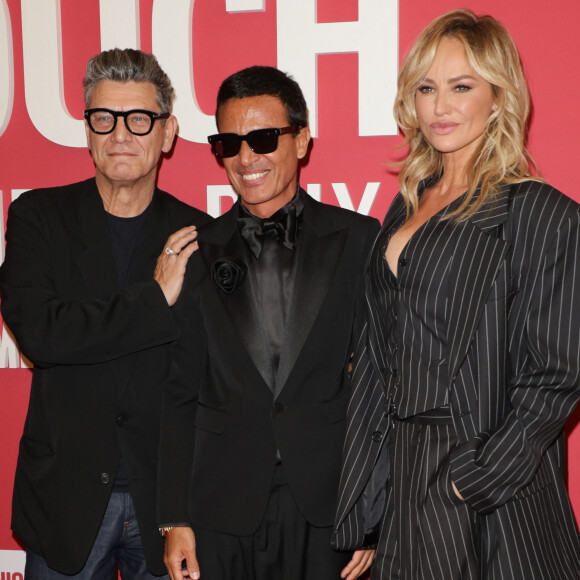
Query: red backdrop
{"type": "Point", "coordinates": [344, 54]}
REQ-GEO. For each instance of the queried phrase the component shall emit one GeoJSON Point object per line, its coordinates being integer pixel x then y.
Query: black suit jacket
{"type": "Point", "coordinates": [222, 423]}
{"type": "Point", "coordinates": [513, 349]}
{"type": "Point", "coordinates": [100, 357]}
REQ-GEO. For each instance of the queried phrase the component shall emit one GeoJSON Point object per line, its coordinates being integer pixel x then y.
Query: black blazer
{"type": "Point", "coordinates": [221, 421]}
{"type": "Point", "coordinates": [514, 378]}
{"type": "Point", "coordinates": [100, 357]}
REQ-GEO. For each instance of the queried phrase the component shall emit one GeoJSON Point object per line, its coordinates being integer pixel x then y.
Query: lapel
{"type": "Point", "coordinates": [319, 250]}
{"type": "Point", "coordinates": [143, 261]}
{"type": "Point", "coordinates": [479, 255]}
{"type": "Point", "coordinates": [97, 265]}
{"type": "Point", "coordinates": [394, 212]}
{"type": "Point", "coordinates": [96, 261]}
{"type": "Point", "coordinates": [222, 239]}
{"type": "Point", "coordinates": [149, 245]}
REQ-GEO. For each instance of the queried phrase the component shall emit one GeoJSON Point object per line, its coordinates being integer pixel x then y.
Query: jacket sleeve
{"type": "Point", "coordinates": [180, 397]}
{"type": "Point", "coordinates": [492, 467]}
{"type": "Point", "coordinates": [365, 469]}
{"type": "Point", "coordinates": [54, 330]}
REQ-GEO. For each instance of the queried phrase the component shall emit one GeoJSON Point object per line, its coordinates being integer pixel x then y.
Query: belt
{"type": "Point", "coordinates": [438, 416]}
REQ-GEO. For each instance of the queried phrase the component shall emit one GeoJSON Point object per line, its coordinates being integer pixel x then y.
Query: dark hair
{"type": "Point", "coordinates": [124, 65]}
{"type": "Point", "coordinates": [266, 80]}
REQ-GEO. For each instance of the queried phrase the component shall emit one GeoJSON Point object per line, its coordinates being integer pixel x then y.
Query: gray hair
{"type": "Point", "coordinates": [124, 65]}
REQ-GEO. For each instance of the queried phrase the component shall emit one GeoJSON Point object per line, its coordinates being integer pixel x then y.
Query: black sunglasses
{"type": "Point", "coordinates": [261, 141]}
{"type": "Point", "coordinates": [137, 121]}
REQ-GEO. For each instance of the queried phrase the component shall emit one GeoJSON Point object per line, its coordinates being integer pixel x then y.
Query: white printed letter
{"type": "Point", "coordinates": [172, 24]}
{"type": "Point", "coordinates": [366, 203]}
{"type": "Point", "coordinates": [374, 37]}
{"type": "Point", "coordinates": [43, 74]}
{"type": "Point", "coordinates": [119, 24]}
{"type": "Point", "coordinates": [6, 68]}
{"type": "Point", "coordinates": [214, 198]}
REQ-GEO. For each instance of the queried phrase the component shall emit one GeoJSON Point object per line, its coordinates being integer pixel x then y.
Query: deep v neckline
{"type": "Point", "coordinates": [438, 214]}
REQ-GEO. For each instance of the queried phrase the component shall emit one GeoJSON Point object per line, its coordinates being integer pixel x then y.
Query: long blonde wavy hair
{"type": "Point", "coordinates": [502, 156]}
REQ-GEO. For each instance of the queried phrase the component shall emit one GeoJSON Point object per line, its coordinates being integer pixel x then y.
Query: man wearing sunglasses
{"type": "Point", "coordinates": [89, 303]}
{"type": "Point", "coordinates": [253, 413]}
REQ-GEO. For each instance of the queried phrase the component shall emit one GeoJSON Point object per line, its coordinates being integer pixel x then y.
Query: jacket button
{"type": "Point", "coordinates": [121, 420]}
{"type": "Point", "coordinates": [377, 436]}
{"type": "Point", "coordinates": [104, 478]}
{"type": "Point", "coordinates": [278, 408]}
{"type": "Point", "coordinates": [402, 262]}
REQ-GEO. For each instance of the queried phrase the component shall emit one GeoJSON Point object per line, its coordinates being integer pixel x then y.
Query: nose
{"type": "Point", "coordinates": [121, 133]}
{"type": "Point", "coordinates": [246, 155]}
{"type": "Point", "coordinates": [441, 103]}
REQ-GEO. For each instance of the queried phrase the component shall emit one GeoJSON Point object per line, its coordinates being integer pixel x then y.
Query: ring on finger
{"type": "Point", "coordinates": [169, 250]}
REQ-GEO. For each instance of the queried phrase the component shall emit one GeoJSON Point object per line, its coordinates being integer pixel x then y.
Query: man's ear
{"type": "Point", "coordinates": [88, 134]}
{"type": "Point", "coordinates": [302, 140]}
{"type": "Point", "coordinates": [169, 132]}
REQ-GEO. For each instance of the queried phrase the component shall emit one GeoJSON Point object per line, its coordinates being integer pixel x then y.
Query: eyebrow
{"type": "Point", "coordinates": [453, 80]}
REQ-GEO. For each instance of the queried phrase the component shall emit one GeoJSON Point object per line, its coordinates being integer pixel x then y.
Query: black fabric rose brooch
{"type": "Point", "coordinates": [228, 273]}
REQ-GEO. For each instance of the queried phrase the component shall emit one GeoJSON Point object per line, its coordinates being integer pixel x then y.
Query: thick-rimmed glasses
{"type": "Point", "coordinates": [261, 141]}
{"type": "Point", "coordinates": [137, 121]}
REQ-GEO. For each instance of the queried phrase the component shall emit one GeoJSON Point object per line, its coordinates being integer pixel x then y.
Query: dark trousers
{"type": "Point", "coordinates": [428, 532]}
{"type": "Point", "coordinates": [284, 547]}
{"type": "Point", "coordinates": [117, 547]}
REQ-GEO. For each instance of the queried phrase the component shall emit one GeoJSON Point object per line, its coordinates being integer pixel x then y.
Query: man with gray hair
{"type": "Point", "coordinates": [89, 304]}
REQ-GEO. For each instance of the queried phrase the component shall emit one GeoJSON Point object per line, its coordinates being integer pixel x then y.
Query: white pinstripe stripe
{"type": "Point", "coordinates": [519, 422]}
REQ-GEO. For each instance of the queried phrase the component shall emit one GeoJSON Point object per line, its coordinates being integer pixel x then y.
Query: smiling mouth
{"type": "Point", "coordinates": [254, 176]}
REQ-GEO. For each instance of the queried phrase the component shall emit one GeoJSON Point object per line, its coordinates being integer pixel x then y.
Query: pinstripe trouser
{"type": "Point", "coordinates": [428, 532]}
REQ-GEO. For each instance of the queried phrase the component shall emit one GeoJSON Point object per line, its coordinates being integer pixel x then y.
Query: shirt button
{"type": "Point", "coordinates": [121, 420]}
{"type": "Point", "coordinates": [104, 478]}
{"type": "Point", "coordinates": [377, 436]}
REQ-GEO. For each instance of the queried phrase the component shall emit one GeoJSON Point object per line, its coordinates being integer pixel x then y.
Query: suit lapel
{"type": "Point", "coordinates": [97, 265]}
{"type": "Point", "coordinates": [149, 246]}
{"type": "Point", "coordinates": [476, 262]}
{"type": "Point", "coordinates": [376, 348]}
{"type": "Point", "coordinates": [318, 253]}
{"type": "Point", "coordinates": [96, 262]}
{"type": "Point", "coordinates": [225, 241]}
{"type": "Point", "coordinates": [142, 266]}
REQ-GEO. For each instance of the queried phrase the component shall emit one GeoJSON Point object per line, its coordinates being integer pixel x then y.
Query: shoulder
{"type": "Point", "coordinates": [182, 211]}
{"type": "Point", "coordinates": [63, 198]}
{"type": "Point", "coordinates": [214, 229]}
{"type": "Point", "coordinates": [542, 205]}
{"type": "Point", "coordinates": [339, 216]}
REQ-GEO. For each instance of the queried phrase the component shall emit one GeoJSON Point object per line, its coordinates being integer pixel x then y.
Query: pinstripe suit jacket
{"type": "Point", "coordinates": [513, 354]}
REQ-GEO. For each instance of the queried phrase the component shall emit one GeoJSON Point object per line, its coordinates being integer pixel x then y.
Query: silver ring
{"type": "Point", "coordinates": [169, 251]}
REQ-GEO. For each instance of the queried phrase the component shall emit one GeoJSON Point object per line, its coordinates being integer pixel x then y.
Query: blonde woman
{"type": "Point", "coordinates": [468, 365]}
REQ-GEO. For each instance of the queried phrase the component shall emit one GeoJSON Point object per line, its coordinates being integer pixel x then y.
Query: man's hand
{"type": "Point", "coordinates": [171, 263]}
{"type": "Point", "coordinates": [180, 546]}
{"type": "Point", "coordinates": [361, 561]}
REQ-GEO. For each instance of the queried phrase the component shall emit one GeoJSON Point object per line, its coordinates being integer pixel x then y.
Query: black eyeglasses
{"type": "Point", "coordinates": [137, 121]}
{"type": "Point", "coordinates": [261, 141]}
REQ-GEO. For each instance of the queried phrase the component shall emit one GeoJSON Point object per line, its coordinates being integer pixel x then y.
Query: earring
{"type": "Point", "coordinates": [494, 108]}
